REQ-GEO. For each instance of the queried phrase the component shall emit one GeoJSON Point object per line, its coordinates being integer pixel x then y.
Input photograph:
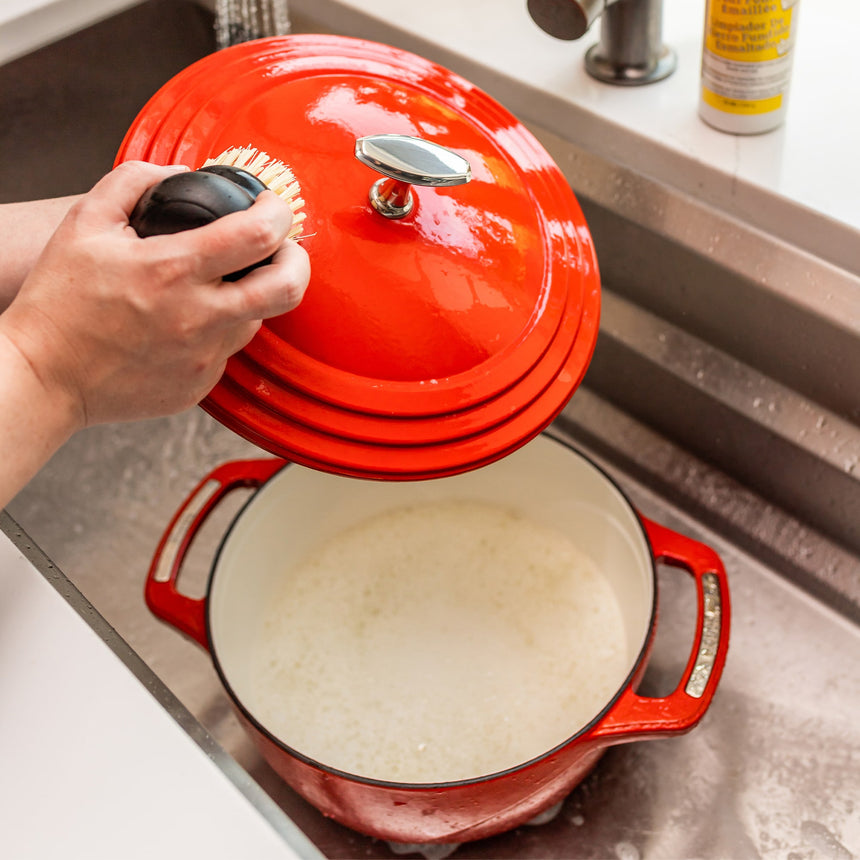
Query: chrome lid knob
{"type": "Point", "coordinates": [404, 161]}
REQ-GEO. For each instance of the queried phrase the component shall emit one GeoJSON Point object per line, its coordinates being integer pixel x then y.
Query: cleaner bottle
{"type": "Point", "coordinates": [746, 63]}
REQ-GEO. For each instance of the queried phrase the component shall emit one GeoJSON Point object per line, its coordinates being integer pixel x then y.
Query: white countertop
{"type": "Point", "coordinates": [92, 765]}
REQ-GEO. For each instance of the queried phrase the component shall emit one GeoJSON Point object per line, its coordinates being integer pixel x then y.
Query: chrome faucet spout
{"type": "Point", "coordinates": [630, 51]}
{"type": "Point", "coordinates": [565, 19]}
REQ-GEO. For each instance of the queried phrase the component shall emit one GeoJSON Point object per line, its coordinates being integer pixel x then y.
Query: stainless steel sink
{"type": "Point", "coordinates": [773, 771]}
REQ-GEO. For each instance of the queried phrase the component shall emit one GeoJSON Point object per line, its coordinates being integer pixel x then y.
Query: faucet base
{"type": "Point", "coordinates": [627, 75]}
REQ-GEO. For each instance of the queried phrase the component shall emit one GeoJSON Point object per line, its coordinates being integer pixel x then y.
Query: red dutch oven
{"type": "Point", "coordinates": [294, 509]}
{"type": "Point", "coordinates": [436, 336]}
{"type": "Point", "coordinates": [446, 324]}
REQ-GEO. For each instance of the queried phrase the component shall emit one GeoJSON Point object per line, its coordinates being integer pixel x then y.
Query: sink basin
{"type": "Point", "coordinates": [674, 407]}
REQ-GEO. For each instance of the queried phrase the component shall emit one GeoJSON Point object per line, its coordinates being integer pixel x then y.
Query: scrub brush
{"type": "Point", "coordinates": [230, 182]}
{"type": "Point", "coordinates": [274, 174]}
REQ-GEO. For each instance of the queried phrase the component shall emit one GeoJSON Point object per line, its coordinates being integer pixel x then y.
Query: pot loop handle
{"type": "Point", "coordinates": [165, 601]}
{"type": "Point", "coordinates": [635, 717]}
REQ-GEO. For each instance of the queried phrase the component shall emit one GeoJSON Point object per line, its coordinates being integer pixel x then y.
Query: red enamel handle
{"type": "Point", "coordinates": [187, 614]}
{"type": "Point", "coordinates": [633, 716]}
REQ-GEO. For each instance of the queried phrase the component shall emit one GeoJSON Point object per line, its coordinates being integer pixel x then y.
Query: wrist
{"type": "Point", "coordinates": [35, 421]}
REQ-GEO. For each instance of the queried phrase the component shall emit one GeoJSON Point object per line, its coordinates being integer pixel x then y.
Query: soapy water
{"type": "Point", "coordinates": [436, 643]}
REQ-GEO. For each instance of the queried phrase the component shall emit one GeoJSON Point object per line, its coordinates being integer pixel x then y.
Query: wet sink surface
{"type": "Point", "coordinates": [773, 771]}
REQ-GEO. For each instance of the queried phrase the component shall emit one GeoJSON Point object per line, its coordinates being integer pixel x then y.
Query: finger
{"type": "Point", "coordinates": [240, 337]}
{"type": "Point", "coordinates": [267, 291]}
{"type": "Point", "coordinates": [235, 241]}
{"type": "Point", "coordinates": [207, 382]}
{"type": "Point", "coordinates": [115, 195]}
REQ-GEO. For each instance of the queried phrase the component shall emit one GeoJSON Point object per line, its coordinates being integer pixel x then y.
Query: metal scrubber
{"type": "Point", "coordinates": [242, 20]}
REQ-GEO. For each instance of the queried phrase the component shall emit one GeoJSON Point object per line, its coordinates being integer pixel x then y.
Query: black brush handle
{"type": "Point", "coordinates": [188, 200]}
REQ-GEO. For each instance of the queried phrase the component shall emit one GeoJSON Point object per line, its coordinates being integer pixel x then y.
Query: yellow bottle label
{"type": "Point", "coordinates": [746, 62]}
{"type": "Point", "coordinates": [744, 107]}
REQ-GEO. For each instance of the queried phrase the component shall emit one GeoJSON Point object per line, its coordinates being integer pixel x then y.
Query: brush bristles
{"type": "Point", "coordinates": [272, 173]}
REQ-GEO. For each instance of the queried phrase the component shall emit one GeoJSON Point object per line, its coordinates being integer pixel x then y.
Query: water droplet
{"type": "Point", "coordinates": [817, 836]}
{"type": "Point", "coordinates": [547, 815]}
{"type": "Point", "coordinates": [626, 851]}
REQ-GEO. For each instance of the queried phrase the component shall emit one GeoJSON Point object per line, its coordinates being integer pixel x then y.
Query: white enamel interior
{"type": "Point", "coordinates": [300, 508]}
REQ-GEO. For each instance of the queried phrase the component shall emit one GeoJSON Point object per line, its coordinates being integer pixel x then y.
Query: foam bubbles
{"type": "Point", "coordinates": [436, 643]}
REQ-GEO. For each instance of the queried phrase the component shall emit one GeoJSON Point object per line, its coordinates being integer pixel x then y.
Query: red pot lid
{"type": "Point", "coordinates": [426, 344]}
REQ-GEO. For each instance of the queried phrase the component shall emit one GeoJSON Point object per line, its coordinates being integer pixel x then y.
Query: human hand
{"type": "Point", "coordinates": [125, 328]}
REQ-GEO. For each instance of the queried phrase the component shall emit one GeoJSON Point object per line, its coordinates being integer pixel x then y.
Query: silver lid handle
{"type": "Point", "coordinates": [403, 161]}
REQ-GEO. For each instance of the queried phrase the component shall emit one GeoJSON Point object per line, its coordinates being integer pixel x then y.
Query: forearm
{"type": "Point", "coordinates": [34, 421]}
{"type": "Point", "coordinates": [25, 228]}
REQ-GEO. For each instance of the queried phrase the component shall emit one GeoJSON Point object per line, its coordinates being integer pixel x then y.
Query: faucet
{"type": "Point", "coordinates": [630, 51]}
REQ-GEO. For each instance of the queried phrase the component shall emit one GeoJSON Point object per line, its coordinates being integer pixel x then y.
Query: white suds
{"type": "Point", "coordinates": [438, 642]}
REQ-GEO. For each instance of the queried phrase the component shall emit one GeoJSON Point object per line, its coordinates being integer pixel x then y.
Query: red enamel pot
{"type": "Point", "coordinates": [294, 509]}
{"type": "Point", "coordinates": [434, 338]}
